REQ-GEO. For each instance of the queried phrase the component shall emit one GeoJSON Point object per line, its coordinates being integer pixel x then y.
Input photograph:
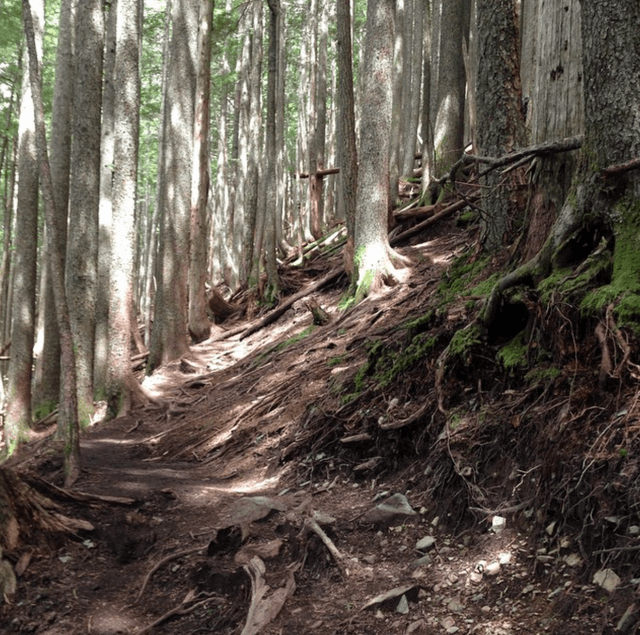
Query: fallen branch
{"type": "Point", "coordinates": [262, 609]}
{"type": "Point", "coordinates": [621, 168]}
{"type": "Point", "coordinates": [282, 308]}
{"type": "Point", "coordinates": [312, 525]}
{"type": "Point", "coordinates": [156, 566]}
{"type": "Point", "coordinates": [181, 609]}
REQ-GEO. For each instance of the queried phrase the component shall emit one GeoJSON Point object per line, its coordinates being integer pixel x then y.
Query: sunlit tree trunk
{"type": "Point", "coordinates": [413, 82]}
{"type": "Point", "coordinates": [398, 94]}
{"type": "Point", "coordinates": [47, 370]}
{"type": "Point", "coordinates": [84, 196]}
{"type": "Point", "coordinates": [169, 339]}
{"type": "Point", "coordinates": [199, 325]}
{"type": "Point", "coordinates": [372, 258]}
{"type": "Point", "coordinates": [449, 116]}
{"type": "Point", "coordinates": [18, 413]}
{"type": "Point", "coordinates": [68, 428]}
{"type": "Point", "coordinates": [105, 210]}
{"type": "Point", "coordinates": [126, 120]}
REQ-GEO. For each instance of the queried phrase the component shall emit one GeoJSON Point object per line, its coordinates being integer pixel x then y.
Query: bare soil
{"type": "Point", "coordinates": [288, 414]}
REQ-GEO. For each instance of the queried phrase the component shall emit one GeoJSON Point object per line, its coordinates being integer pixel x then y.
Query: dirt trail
{"type": "Point", "coordinates": [178, 559]}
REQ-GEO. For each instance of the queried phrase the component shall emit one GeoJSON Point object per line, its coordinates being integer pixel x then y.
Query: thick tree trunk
{"type": "Point", "coordinates": [84, 196]}
{"type": "Point", "coordinates": [199, 325]}
{"type": "Point", "coordinates": [105, 211]}
{"type": "Point", "coordinates": [18, 415]}
{"type": "Point", "coordinates": [346, 134]}
{"type": "Point", "coordinates": [169, 339]}
{"type": "Point", "coordinates": [47, 370]}
{"type": "Point", "coordinates": [499, 101]}
{"type": "Point", "coordinates": [68, 427]}
{"type": "Point", "coordinates": [372, 258]}
{"type": "Point", "coordinates": [126, 132]}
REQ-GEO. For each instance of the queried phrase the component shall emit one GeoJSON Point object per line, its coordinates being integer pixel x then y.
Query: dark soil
{"type": "Point", "coordinates": [329, 421]}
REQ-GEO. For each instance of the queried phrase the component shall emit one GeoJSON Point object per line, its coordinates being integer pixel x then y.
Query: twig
{"type": "Point", "coordinates": [621, 168]}
{"type": "Point", "coordinates": [312, 525]}
{"type": "Point", "coordinates": [181, 609]}
{"type": "Point", "coordinates": [155, 567]}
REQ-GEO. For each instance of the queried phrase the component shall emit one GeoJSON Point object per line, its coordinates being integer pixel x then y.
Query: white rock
{"type": "Point", "coordinates": [425, 543]}
{"type": "Point", "coordinates": [608, 579]}
{"type": "Point", "coordinates": [634, 530]}
{"type": "Point", "coordinates": [504, 558]}
{"type": "Point", "coordinates": [551, 527]}
{"type": "Point", "coordinates": [573, 559]}
{"type": "Point", "coordinates": [403, 605]}
{"type": "Point", "coordinates": [493, 568]}
{"type": "Point", "coordinates": [498, 524]}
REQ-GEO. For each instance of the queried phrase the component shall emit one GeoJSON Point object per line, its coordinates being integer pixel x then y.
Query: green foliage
{"type": "Point", "coordinates": [540, 375]}
{"type": "Point", "coordinates": [464, 341]}
{"type": "Point", "coordinates": [460, 277]}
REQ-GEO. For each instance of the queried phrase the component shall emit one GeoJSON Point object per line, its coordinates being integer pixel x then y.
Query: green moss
{"type": "Point", "coordinates": [624, 289]}
{"type": "Point", "coordinates": [44, 409]}
{"type": "Point", "coordinates": [464, 341]}
{"type": "Point", "coordinates": [336, 361]}
{"type": "Point", "coordinates": [421, 345]}
{"type": "Point", "coordinates": [460, 277]}
{"type": "Point", "coordinates": [539, 375]}
{"type": "Point", "coordinates": [513, 355]}
{"type": "Point", "coordinates": [419, 325]}
{"type": "Point", "coordinates": [486, 286]}
{"type": "Point", "coordinates": [279, 347]}
{"type": "Point", "coordinates": [466, 218]}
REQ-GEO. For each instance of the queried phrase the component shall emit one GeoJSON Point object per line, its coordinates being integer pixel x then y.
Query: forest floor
{"type": "Point", "coordinates": [252, 502]}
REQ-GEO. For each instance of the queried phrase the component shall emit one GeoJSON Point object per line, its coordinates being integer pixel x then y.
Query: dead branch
{"type": "Point", "coordinates": [156, 566]}
{"type": "Point", "coordinates": [320, 173]}
{"type": "Point", "coordinates": [262, 609]}
{"type": "Point", "coordinates": [621, 168]}
{"type": "Point", "coordinates": [282, 308]}
{"type": "Point", "coordinates": [181, 609]}
{"type": "Point", "coordinates": [312, 525]}
{"type": "Point", "coordinates": [606, 365]}
{"type": "Point", "coordinates": [493, 163]}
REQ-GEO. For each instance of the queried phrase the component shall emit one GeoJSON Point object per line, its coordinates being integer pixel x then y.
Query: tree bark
{"type": "Point", "coordinates": [199, 325]}
{"type": "Point", "coordinates": [68, 427]}
{"type": "Point", "coordinates": [84, 196]}
{"type": "Point", "coordinates": [372, 258]}
{"type": "Point", "coordinates": [47, 370]}
{"type": "Point", "coordinates": [18, 415]}
{"type": "Point", "coordinates": [126, 121]}
{"type": "Point", "coordinates": [499, 99]}
{"type": "Point", "coordinates": [169, 339]}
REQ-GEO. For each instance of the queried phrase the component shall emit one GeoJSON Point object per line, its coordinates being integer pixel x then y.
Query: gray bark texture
{"type": "Point", "coordinates": [18, 415]}
{"type": "Point", "coordinates": [126, 135]}
{"type": "Point", "coordinates": [84, 196]}
{"type": "Point", "coordinates": [499, 96]}
{"type": "Point", "coordinates": [372, 261]}
{"type": "Point", "coordinates": [47, 371]}
{"type": "Point", "coordinates": [169, 339]}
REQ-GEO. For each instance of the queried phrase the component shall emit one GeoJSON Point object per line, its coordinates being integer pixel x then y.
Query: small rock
{"type": "Point", "coordinates": [504, 558]}
{"type": "Point", "coordinates": [573, 560]}
{"type": "Point", "coordinates": [421, 562]}
{"type": "Point", "coordinates": [370, 559]}
{"type": "Point", "coordinates": [608, 579]}
{"type": "Point", "coordinates": [493, 568]}
{"type": "Point", "coordinates": [627, 620]}
{"type": "Point", "coordinates": [528, 589]}
{"type": "Point", "coordinates": [403, 606]}
{"type": "Point", "coordinates": [415, 627]}
{"type": "Point", "coordinates": [475, 577]}
{"type": "Point", "coordinates": [551, 527]}
{"type": "Point", "coordinates": [425, 543]}
{"type": "Point", "coordinates": [393, 507]}
{"type": "Point", "coordinates": [498, 524]}
{"type": "Point", "coordinates": [447, 623]}
{"type": "Point", "coordinates": [634, 530]}
{"type": "Point", "coordinates": [455, 606]}
{"type": "Point", "coordinates": [486, 609]}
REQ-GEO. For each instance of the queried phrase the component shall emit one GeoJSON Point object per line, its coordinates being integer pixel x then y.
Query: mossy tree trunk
{"type": "Point", "coordinates": [605, 199]}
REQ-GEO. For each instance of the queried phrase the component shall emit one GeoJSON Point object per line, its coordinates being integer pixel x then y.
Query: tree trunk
{"type": "Point", "coordinates": [47, 370]}
{"type": "Point", "coordinates": [169, 339]}
{"type": "Point", "coordinates": [18, 415]}
{"type": "Point", "coordinates": [199, 325]}
{"type": "Point", "coordinates": [499, 99]}
{"type": "Point", "coordinates": [68, 428]}
{"type": "Point", "coordinates": [449, 118]}
{"type": "Point", "coordinates": [84, 196]}
{"type": "Point", "coordinates": [396, 113]}
{"type": "Point", "coordinates": [372, 258]}
{"type": "Point", "coordinates": [126, 121]}
{"type": "Point", "coordinates": [346, 136]}
{"type": "Point", "coordinates": [105, 210]}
